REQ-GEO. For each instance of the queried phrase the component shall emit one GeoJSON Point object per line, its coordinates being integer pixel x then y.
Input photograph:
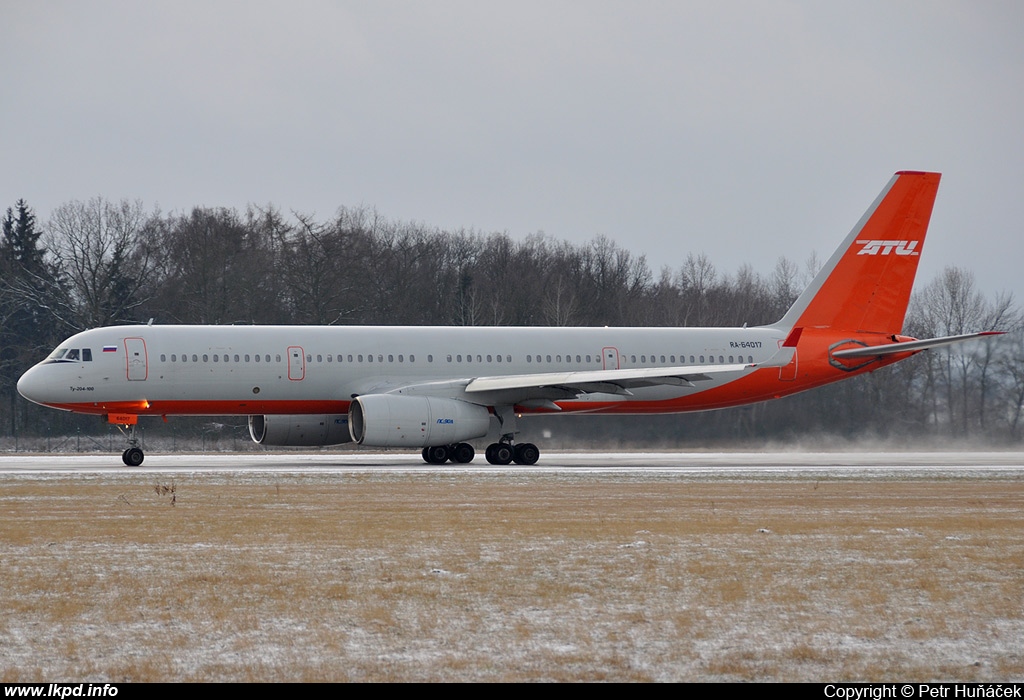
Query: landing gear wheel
{"type": "Point", "coordinates": [525, 453]}
{"type": "Point", "coordinates": [437, 454]}
{"type": "Point", "coordinates": [463, 453]}
{"type": "Point", "coordinates": [133, 457]}
{"type": "Point", "coordinates": [499, 453]}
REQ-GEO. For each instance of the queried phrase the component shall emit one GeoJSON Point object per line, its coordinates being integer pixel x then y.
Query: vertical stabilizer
{"type": "Point", "coordinates": [865, 285]}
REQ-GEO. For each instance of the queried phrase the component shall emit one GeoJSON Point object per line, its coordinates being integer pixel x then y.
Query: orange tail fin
{"type": "Point", "coordinates": [865, 285]}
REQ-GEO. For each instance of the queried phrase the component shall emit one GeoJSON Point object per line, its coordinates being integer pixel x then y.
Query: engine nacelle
{"type": "Point", "coordinates": [299, 431]}
{"type": "Point", "coordinates": [388, 420]}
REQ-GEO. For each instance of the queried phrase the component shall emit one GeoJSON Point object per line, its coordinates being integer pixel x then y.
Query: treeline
{"type": "Point", "coordinates": [99, 262]}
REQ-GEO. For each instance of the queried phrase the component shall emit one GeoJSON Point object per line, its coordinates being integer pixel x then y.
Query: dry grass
{"type": "Point", "coordinates": [427, 577]}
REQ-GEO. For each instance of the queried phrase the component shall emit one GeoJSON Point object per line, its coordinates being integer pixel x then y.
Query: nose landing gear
{"type": "Point", "coordinates": [134, 455]}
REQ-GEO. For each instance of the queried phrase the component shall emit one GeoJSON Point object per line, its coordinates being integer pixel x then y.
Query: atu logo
{"type": "Point", "coordinates": [872, 247]}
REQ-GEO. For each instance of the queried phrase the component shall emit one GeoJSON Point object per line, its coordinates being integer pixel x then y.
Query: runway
{"type": "Point", "coordinates": [796, 464]}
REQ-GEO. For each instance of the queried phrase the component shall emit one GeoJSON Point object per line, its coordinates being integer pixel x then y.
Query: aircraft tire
{"type": "Point", "coordinates": [499, 453]}
{"type": "Point", "coordinates": [462, 453]}
{"type": "Point", "coordinates": [437, 454]}
{"type": "Point", "coordinates": [525, 453]}
{"type": "Point", "coordinates": [133, 457]}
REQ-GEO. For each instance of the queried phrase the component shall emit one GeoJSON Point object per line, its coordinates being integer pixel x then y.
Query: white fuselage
{"type": "Point", "coordinates": [239, 370]}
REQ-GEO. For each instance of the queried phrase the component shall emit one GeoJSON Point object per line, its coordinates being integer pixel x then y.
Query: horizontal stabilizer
{"type": "Point", "coordinates": [909, 346]}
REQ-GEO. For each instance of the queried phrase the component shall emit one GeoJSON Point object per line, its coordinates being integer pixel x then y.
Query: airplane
{"type": "Point", "coordinates": [437, 388]}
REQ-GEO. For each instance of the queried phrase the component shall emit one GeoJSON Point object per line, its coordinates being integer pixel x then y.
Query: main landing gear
{"type": "Point", "coordinates": [525, 453]}
{"type": "Point", "coordinates": [503, 452]}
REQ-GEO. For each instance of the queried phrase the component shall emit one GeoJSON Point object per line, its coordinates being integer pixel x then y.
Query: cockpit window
{"type": "Point", "coordinates": [57, 354]}
{"type": "Point", "coordinates": [86, 354]}
{"type": "Point", "coordinates": [72, 354]}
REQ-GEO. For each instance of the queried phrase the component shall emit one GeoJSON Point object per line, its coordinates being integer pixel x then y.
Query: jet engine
{"type": "Point", "coordinates": [388, 420]}
{"type": "Point", "coordinates": [300, 430]}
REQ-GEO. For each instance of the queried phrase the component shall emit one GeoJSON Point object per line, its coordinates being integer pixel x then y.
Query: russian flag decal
{"type": "Point", "coordinates": [109, 348]}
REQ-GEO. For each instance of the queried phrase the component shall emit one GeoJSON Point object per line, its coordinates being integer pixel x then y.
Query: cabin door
{"type": "Point", "coordinates": [135, 351]}
{"type": "Point", "coordinates": [296, 363]}
{"type": "Point", "coordinates": [610, 357]}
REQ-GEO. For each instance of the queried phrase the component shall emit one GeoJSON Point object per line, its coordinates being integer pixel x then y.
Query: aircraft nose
{"type": "Point", "coordinates": [31, 385]}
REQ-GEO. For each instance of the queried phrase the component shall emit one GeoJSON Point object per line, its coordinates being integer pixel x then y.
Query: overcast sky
{"type": "Point", "coordinates": [744, 130]}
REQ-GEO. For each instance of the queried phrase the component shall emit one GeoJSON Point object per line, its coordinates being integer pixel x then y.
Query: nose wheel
{"type": "Point", "coordinates": [133, 456]}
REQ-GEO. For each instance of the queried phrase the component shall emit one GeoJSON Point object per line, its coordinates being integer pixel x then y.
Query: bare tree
{"type": "Point", "coordinates": [958, 377]}
{"type": "Point", "coordinates": [104, 268]}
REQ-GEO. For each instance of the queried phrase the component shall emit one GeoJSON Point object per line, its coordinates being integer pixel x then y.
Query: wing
{"type": "Point", "coordinates": [545, 387]}
{"type": "Point", "coordinates": [619, 381]}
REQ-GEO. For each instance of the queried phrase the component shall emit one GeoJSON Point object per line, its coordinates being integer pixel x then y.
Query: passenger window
{"type": "Point", "coordinates": [350, 358]}
{"type": "Point", "coordinates": [257, 358]}
{"type": "Point", "coordinates": [391, 358]}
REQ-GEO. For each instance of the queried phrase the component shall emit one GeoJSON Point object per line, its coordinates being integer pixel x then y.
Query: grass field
{"type": "Point", "coordinates": [379, 576]}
